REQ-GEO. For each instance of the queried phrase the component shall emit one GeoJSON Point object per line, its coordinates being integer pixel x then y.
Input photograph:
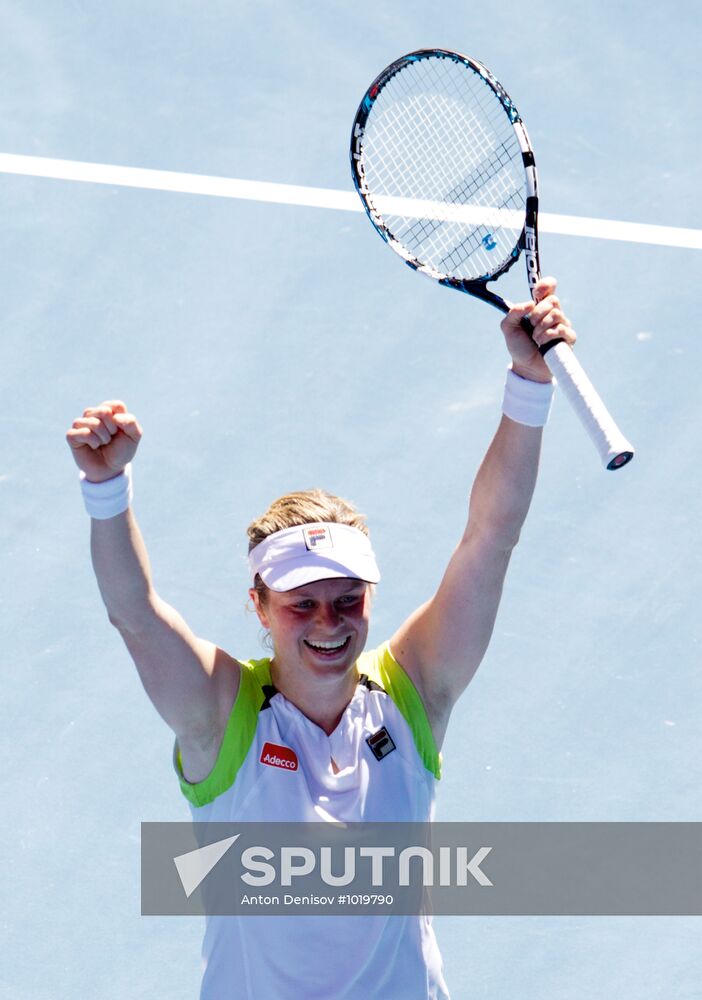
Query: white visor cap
{"type": "Point", "coordinates": [309, 552]}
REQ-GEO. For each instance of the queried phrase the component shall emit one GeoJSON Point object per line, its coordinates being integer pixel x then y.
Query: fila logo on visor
{"type": "Point", "coordinates": [278, 756]}
{"type": "Point", "coordinates": [381, 743]}
{"type": "Point", "coordinates": [317, 538]}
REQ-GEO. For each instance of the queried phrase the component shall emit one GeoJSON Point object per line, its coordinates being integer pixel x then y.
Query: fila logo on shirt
{"type": "Point", "coordinates": [381, 743]}
{"type": "Point", "coordinates": [276, 755]}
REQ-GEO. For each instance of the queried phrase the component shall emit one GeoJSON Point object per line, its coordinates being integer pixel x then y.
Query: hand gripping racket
{"type": "Point", "coordinates": [444, 167]}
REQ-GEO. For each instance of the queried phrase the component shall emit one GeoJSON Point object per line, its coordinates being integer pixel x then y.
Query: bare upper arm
{"type": "Point", "coordinates": [443, 642]}
{"type": "Point", "coordinates": [191, 682]}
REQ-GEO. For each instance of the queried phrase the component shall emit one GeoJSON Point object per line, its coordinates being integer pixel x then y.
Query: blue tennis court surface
{"type": "Point", "coordinates": [268, 347]}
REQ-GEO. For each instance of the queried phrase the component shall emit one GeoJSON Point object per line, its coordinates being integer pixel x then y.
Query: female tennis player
{"type": "Point", "coordinates": [322, 730]}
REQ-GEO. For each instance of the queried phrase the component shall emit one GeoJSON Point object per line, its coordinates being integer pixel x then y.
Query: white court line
{"type": "Point", "coordinates": [291, 194]}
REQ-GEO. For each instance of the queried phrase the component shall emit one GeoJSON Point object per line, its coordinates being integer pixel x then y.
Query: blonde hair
{"type": "Point", "coordinates": [303, 507]}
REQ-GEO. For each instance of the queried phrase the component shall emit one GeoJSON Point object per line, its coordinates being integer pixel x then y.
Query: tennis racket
{"type": "Point", "coordinates": [444, 167]}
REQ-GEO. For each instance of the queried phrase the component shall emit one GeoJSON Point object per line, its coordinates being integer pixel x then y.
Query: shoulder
{"type": "Point", "coordinates": [208, 766]}
{"type": "Point", "coordinates": [199, 746]}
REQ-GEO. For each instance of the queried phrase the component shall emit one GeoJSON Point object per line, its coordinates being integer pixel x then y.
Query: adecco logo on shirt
{"type": "Point", "coordinates": [278, 756]}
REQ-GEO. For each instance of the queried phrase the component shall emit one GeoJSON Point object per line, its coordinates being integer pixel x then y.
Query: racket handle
{"type": "Point", "coordinates": [614, 449]}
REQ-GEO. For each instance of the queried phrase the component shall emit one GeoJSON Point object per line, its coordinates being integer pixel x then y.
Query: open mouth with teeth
{"type": "Point", "coordinates": [329, 649]}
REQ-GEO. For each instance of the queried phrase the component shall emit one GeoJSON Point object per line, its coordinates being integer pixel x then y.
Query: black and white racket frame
{"type": "Point", "coordinates": [614, 449]}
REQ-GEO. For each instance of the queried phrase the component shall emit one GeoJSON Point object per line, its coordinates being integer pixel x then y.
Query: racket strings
{"type": "Point", "coordinates": [461, 120]}
{"type": "Point", "coordinates": [439, 139]}
{"type": "Point", "coordinates": [486, 188]}
{"type": "Point", "coordinates": [495, 189]}
{"type": "Point", "coordinates": [423, 145]}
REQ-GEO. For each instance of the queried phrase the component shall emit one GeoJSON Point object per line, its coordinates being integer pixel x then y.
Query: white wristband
{"type": "Point", "coordinates": [107, 499]}
{"type": "Point", "coordinates": [527, 402]}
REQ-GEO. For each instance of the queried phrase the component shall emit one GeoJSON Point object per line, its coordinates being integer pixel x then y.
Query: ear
{"type": "Point", "coordinates": [259, 608]}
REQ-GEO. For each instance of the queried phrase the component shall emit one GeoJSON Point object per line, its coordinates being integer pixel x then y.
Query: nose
{"type": "Point", "coordinates": [327, 615]}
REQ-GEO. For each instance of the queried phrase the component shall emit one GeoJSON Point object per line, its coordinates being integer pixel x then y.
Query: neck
{"type": "Point", "coordinates": [323, 700]}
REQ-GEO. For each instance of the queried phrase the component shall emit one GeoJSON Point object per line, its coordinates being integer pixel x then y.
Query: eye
{"type": "Point", "coordinates": [349, 599]}
{"type": "Point", "coordinates": [304, 605]}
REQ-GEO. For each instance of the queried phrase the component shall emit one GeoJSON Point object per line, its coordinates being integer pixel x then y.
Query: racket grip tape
{"type": "Point", "coordinates": [614, 449]}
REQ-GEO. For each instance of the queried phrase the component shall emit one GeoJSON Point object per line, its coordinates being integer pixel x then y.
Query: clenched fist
{"type": "Point", "coordinates": [104, 440]}
{"type": "Point", "coordinates": [548, 322]}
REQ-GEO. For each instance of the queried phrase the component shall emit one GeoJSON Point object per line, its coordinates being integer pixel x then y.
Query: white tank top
{"type": "Point", "coordinates": [274, 765]}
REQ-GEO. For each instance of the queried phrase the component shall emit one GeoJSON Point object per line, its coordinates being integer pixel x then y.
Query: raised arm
{"type": "Point", "coordinates": [190, 681]}
{"type": "Point", "coordinates": [442, 643]}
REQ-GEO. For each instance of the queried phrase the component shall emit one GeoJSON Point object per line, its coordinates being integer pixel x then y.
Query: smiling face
{"type": "Point", "coordinates": [319, 629]}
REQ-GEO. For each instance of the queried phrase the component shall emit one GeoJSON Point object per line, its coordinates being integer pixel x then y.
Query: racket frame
{"type": "Point", "coordinates": [528, 240]}
{"type": "Point", "coordinates": [615, 451]}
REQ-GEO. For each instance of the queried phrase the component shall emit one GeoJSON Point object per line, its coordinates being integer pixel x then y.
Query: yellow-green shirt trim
{"type": "Point", "coordinates": [238, 736]}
